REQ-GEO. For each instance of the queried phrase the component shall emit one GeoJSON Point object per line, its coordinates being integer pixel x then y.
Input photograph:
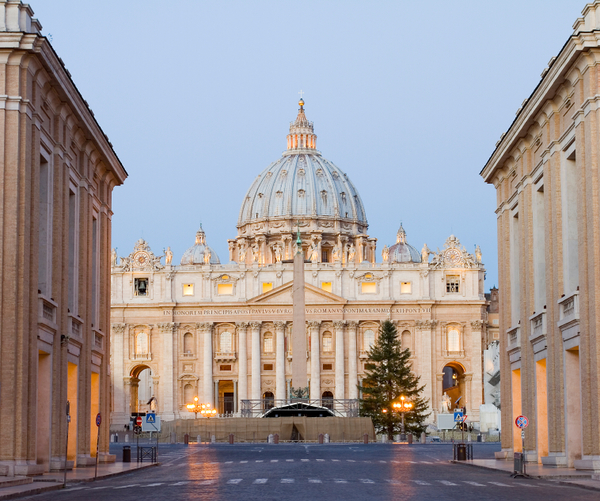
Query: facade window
{"type": "Point", "coordinates": [368, 288]}
{"type": "Point", "coordinates": [225, 342]}
{"type": "Point", "coordinates": [453, 341]}
{"type": "Point", "coordinates": [405, 287]}
{"type": "Point", "coordinates": [368, 340]}
{"type": "Point", "coordinates": [268, 343]}
{"type": "Point", "coordinates": [326, 286]}
{"type": "Point", "coordinates": [141, 286]}
{"type": "Point", "coordinates": [188, 393]}
{"type": "Point", "coordinates": [188, 289]}
{"type": "Point", "coordinates": [267, 286]}
{"type": "Point", "coordinates": [225, 289]}
{"type": "Point", "coordinates": [327, 341]}
{"type": "Point", "coordinates": [188, 343]}
{"type": "Point", "coordinates": [141, 343]}
{"type": "Point", "coordinates": [452, 283]}
{"type": "Point", "coordinates": [325, 255]}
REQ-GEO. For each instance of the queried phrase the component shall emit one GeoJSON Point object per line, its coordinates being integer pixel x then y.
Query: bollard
{"type": "Point", "coordinates": [469, 437]}
{"type": "Point", "coordinates": [270, 439]}
{"type": "Point", "coordinates": [410, 439]}
{"type": "Point", "coordinates": [199, 439]}
{"type": "Point", "coordinates": [321, 437]}
{"type": "Point", "coordinates": [186, 439]}
{"type": "Point", "coordinates": [366, 438]}
{"type": "Point", "coordinates": [231, 438]}
{"type": "Point", "coordinates": [127, 454]}
{"type": "Point", "coordinates": [173, 438]}
{"type": "Point", "coordinates": [396, 438]}
{"type": "Point", "coordinates": [276, 438]}
{"type": "Point", "coordinates": [126, 437]}
{"type": "Point", "coordinates": [213, 439]}
{"type": "Point", "coordinates": [327, 438]}
{"type": "Point", "coordinates": [423, 437]}
{"type": "Point", "coordinates": [383, 439]}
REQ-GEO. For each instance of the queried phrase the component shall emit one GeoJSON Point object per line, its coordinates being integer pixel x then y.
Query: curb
{"type": "Point", "coordinates": [30, 491]}
{"type": "Point", "coordinates": [108, 475]}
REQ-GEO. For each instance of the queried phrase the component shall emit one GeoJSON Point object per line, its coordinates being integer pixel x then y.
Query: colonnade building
{"type": "Point", "coordinates": [222, 332]}
{"type": "Point", "coordinates": [545, 171]}
{"type": "Point", "coordinates": [58, 170]}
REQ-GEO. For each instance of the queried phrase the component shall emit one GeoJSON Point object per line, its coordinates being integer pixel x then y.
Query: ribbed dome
{"type": "Point", "coordinates": [200, 251]}
{"type": "Point", "coordinates": [401, 251]}
{"type": "Point", "coordinates": [302, 184]}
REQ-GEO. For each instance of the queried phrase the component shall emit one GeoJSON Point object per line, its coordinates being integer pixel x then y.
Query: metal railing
{"type": "Point", "coordinates": [339, 407]}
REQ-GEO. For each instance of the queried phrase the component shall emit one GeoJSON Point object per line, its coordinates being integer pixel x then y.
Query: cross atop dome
{"type": "Point", "coordinates": [401, 235]}
{"type": "Point", "coordinates": [302, 134]}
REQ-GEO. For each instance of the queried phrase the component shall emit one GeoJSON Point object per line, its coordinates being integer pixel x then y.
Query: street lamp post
{"type": "Point", "coordinates": [402, 407]}
{"type": "Point", "coordinates": [207, 411]}
{"type": "Point", "coordinates": [204, 409]}
{"type": "Point", "coordinates": [195, 407]}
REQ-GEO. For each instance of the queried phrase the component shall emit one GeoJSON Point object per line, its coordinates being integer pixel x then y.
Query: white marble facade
{"type": "Point", "coordinates": [222, 332]}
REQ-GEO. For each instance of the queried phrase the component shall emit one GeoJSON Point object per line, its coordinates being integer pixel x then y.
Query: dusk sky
{"type": "Point", "coordinates": [408, 98]}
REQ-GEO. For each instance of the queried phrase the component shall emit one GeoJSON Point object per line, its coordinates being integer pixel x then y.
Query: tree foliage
{"type": "Point", "coordinates": [388, 377]}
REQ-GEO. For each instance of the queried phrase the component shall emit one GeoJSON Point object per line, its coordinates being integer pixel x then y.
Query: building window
{"type": "Point", "coordinates": [225, 342]}
{"type": "Point", "coordinates": [267, 286]}
{"type": "Point", "coordinates": [405, 287]}
{"type": "Point", "coordinates": [368, 340]}
{"type": "Point", "coordinates": [453, 341]}
{"type": "Point", "coordinates": [225, 289]}
{"type": "Point", "coordinates": [141, 286]}
{"type": "Point", "coordinates": [188, 343]}
{"type": "Point", "coordinates": [452, 283]}
{"type": "Point", "coordinates": [327, 367]}
{"type": "Point", "coordinates": [267, 367]}
{"type": "Point", "coordinates": [188, 289]}
{"type": "Point", "coordinates": [327, 341]}
{"type": "Point", "coordinates": [188, 393]}
{"type": "Point", "coordinates": [326, 286]}
{"type": "Point", "coordinates": [268, 343]}
{"type": "Point", "coordinates": [141, 343]}
{"type": "Point", "coordinates": [368, 288]}
{"type": "Point", "coordinates": [325, 255]}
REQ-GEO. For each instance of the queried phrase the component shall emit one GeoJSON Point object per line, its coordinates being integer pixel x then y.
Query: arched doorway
{"type": "Point", "coordinates": [269, 400]}
{"type": "Point", "coordinates": [142, 389]}
{"type": "Point", "coordinates": [453, 384]}
{"type": "Point", "coordinates": [327, 400]}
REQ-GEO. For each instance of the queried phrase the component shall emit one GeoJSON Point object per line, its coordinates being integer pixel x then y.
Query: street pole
{"type": "Point", "coordinates": [67, 442]}
{"type": "Point", "coordinates": [523, 450]}
{"type": "Point", "coordinates": [98, 421]}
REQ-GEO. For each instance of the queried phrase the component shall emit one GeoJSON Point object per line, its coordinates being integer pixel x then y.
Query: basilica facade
{"type": "Point", "coordinates": [223, 332]}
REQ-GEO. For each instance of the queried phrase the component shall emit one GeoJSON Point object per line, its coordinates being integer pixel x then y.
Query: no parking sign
{"type": "Point", "coordinates": [522, 422]}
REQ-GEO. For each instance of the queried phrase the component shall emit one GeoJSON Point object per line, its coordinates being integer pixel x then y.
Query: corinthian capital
{"type": "Point", "coordinates": [255, 325]}
{"type": "Point", "coordinates": [339, 324]}
{"type": "Point", "coordinates": [313, 324]}
{"type": "Point", "coordinates": [477, 324]}
{"type": "Point", "coordinates": [205, 326]}
{"type": "Point", "coordinates": [280, 325]}
{"type": "Point", "coordinates": [118, 328]}
{"type": "Point", "coordinates": [242, 325]}
{"type": "Point", "coordinates": [166, 328]}
{"type": "Point", "coordinates": [352, 324]}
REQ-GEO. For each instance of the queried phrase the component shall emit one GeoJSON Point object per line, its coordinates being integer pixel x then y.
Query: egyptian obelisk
{"type": "Point", "coordinates": [299, 379]}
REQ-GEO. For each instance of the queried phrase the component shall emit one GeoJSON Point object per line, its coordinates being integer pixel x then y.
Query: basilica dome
{"type": "Point", "coordinates": [200, 253]}
{"type": "Point", "coordinates": [403, 252]}
{"type": "Point", "coordinates": [302, 186]}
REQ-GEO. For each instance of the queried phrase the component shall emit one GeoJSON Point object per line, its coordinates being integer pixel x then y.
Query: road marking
{"type": "Point", "coordinates": [336, 460]}
{"type": "Point", "coordinates": [234, 481]}
{"type": "Point", "coordinates": [351, 460]}
{"type": "Point", "coordinates": [207, 482]}
{"type": "Point", "coordinates": [241, 462]}
{"type": "Point", "coordinates": [259, 461]}
{"type": "Point", "coordinates": [500, 484]}
{"type": "Point", "coordinates": [75, 489]}
{"type": "Point", "coordinates": [287, 480]}
{"type": "Point", "coordinates": [274, 460]}
{"type": "Point", "coordinates": [340, 481]}
{"type": "Point", "coordinates": [154, 485]}
{"type": "Point", "coordinates": [214, 462]}
{"type": "Point", "coordinates": [474, 483]}
{"type": "Point", "coordinates": [305, 460]}
{"type": "Point", "coordinates": [291, 460]}
{"type": "Point", "coordinates": [314, 481]}
{"type": "Point", "coordinates": [395, 482]}
{"type": "Point", "coordinates": [383, 461]}
{"type": "Point", "coordinates": [446, 482]}
{"type": "Point", "coordinates": [98, 488]}
{"type": "Point", "coordinates": [320, 460]}
{"type": "Point", "coordinates": [228, 462]}
{"type": "Point", "coordinates": [130, 485]}
{"type": "Point", "coordinates": [397, 462]}
{"type": "Point", "coordinates": [366, 481]}
{"type": "Point", "coordinates": [178, 483]}
{"type": "Point", "coordinates": [421, 482]}
{"type": "Point", "coordinates": [260, 481]}
{"type": "Point", "coordinates": [425, 462]}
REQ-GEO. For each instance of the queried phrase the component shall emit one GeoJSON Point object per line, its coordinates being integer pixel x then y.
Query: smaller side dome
{"type": "Point", "coordinates": [403, 252]}
{"type": "Point", "coordinates": [200, 253]}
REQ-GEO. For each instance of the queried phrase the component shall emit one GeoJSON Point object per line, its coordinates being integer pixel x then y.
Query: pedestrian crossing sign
{"type": "Point", "coordinates": [150, 418]}
{"type": "Point", "coordinates": [458, 417]}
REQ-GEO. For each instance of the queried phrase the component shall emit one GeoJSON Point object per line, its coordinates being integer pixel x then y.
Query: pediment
{"type": "Point", "coordinates": [283, 295]}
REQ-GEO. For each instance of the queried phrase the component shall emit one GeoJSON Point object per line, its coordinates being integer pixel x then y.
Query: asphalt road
{"type": "Point", "coordinates": [345, 472]}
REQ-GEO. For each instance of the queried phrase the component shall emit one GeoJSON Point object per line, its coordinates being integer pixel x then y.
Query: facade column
{"type": "Point", "coordinates": [436, 403]}
{"type": "Point", "coordinates": [315, 361]}
{"type": "Point", "coordinates": [280, 361]}
{"type": "Point", "coordinates": [288, 384]}
{"type": "Point", "coordinates": [242, 393]}
{"type": "Point", "coordinates": [339, 360]}
{"type": "Point", "coordinates": [216, 394]}
{"type": "Point", "coordinates": [207, 362]}
{"type": "Point", "coordinates": [255, 360]}
{"type": "Point", "coordinates": [118, 345]}
{"type": "Point", "coordinates": [169, 365]}
{"type": "Point", "coordinates": [236, 407]}
{"type": "Point", "coordinates": [424, 350]}
{"type": "Point", "coordinates": [352, 361]}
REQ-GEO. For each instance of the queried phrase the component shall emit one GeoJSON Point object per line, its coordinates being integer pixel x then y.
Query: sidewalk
{"type": "Point", "coordinates": [14, 487]}
{"type": "Point", "coordinates": [565, 476]}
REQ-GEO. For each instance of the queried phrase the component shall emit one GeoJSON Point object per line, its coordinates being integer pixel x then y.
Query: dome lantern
{"type": "Point", "coordinates": [302, 133]}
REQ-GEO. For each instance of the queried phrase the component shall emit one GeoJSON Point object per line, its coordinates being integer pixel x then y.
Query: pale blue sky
{"type": "Point", "coordinates": [408, 98]}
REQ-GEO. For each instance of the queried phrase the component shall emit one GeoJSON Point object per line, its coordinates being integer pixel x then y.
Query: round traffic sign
{"type": "Point", "coordinates": [138, 420]}
{"type": "Point", "coordinates": [98, 419]}
{"type": "Point", "coordinates": [522, 422]}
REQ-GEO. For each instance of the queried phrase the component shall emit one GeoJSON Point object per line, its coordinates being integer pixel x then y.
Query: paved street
{"type": "Point", "coordinates": [348, 472]}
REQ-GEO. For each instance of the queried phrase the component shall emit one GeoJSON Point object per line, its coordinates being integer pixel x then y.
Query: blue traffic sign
{"type": "Point", "coordinates": [458, 417]}
{"type": "Point", "coordinates": [150, 418]}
